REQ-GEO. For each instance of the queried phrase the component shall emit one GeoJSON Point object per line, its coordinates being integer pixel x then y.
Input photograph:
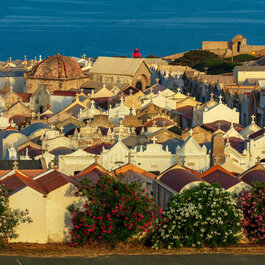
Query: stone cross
{"type": "Point", "coordinates": [129, 156]}
{"type": "Point", "coordinates": [220, 99]}
{"type": "Point", "coordinates": [179, 90]}
{"type": "Point", "coordinates": [212, 94]}
{"type": "Point", "coordinates": [61, 129]}
{"type": "Point", "coordinates": [191, 132]}
{"type": "Point", "coordinates": [92, 103]}
{"type": "Point", "coordinates": [15, 165]}
{"type": "Point", "coordinates": [131, 91]}
{"type": "Point", "coordinates": [188, 94]}
{"type": "Point", "coordinates": [217, 159]}
{"type": "Point", "coordinates": [154, 140]}
{"type": "Point", "coordinates": [253, 118]}
{"type": "Point", "coordinates": [52, 126]}
{"type": "Point", "coordinates": [157, 81]}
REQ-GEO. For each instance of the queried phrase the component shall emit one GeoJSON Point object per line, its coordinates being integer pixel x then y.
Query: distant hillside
{"type": "Point", "coordinates": [204, 60]}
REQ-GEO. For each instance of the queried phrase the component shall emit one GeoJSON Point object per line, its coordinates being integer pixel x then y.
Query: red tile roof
{"type": "Point", "coordinates": [130, 167]}
{"type": "Point", "coordinates": [218, 174]}
{"type": "Point", "coordinates": [92, 172]}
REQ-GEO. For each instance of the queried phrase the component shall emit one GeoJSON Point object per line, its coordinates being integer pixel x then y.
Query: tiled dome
{"type": "Point", "coordinates": [57, 67]}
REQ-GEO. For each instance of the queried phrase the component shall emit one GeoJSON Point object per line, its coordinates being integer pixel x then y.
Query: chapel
{"type": "Point", "coordinates": [57, 72]}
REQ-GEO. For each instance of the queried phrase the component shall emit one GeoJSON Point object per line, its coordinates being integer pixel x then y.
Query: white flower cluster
{"type": "Point", "coordinates": [201, 215]}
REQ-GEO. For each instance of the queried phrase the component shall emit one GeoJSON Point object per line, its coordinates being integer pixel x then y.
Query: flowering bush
{"type": "Point", "coordinates": [203, 215]}
{"type": "Point", "coordinates": [9, 219]}
{"type": "Point", "coordinates": [252, 204]}
{"type": "Point", "coordinates": [113, 211]}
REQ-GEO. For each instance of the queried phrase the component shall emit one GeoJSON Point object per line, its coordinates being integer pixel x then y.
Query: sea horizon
{"type": "Point", "coordinates": [104, 28]}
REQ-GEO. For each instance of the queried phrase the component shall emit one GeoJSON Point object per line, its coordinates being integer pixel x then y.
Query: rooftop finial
{"type": "Point", "coordinates": [253, 118]}
{"type": "Point", "coordinates": [220, 99]}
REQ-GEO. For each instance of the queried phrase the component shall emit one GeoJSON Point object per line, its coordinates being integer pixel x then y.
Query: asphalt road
{"type": "Point", "coordinates": [214, 259]}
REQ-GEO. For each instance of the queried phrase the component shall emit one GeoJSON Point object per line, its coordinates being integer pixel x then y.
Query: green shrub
{"type": "Point", "coordinates": [113, 212]}
{"type": "Point", "coordinates": [203, 215]}
{"type": "Point", "coordinates": [252, 204]}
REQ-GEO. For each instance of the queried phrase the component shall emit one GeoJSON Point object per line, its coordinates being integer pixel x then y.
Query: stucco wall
{"type": "Point", "coordinates": [58, 218]}
{"type": "Point", "coordinates": [32, 200]}
{"type": "Point", "coordinates": [51, 220]}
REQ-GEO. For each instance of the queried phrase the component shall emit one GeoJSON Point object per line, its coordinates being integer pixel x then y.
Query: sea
{"type": "Point", "coordinates": [117, 27]}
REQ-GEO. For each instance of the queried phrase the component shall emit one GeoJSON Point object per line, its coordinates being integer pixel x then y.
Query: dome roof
{"type": "Point", "coordinates": [254, 176]}
{"type": "Point", "coordinates": [177, 177]}
{"type": "Point", "coordinates": [57, 67]}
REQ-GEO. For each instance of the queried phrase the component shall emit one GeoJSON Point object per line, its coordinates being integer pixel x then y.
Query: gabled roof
{"type": "Point", "coordinates": [218, 174]}
{"type": "Point", "coordinates": [18, 181]}
{"type": "Point", "coordinates": [52, 180]}
{"type": "Point", "coordinates": [93, 172]}
{"type": "Point", "coordinates": [129, 167]}
{"type": "Point", "coordinates": [249, 130]}
{"type": "Point", "coordinates": [117, 66]}
{"type": "Point", "coordinates": [257, 134]}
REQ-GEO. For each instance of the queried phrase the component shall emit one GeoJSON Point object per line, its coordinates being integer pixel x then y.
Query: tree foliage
{"type": "Point", "coordinates": [113, 211]}
{"type": "Point", "coordinates": [202, 59]}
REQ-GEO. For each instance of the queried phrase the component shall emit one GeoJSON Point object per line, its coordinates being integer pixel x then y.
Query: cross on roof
{"type": "Point", "coordinates": [157, 80]}
{"type": "Point", "coordinates": [183, 162]}
{"type": "Point", "coordinates": [212, 94]}
{"type": "Point", "coordinates": [188, 94]}
{"type": "Point", "coordinates": [253, 118]}
{"type": "Point", "coordinates": [129, 156]}
{"type": "Point", "coordinates": [220, 99]}
{"type": "Point", "coordinates": [191, 132]}
{"type": "Point", "coordinates": [15, 165]}
{"type": "Point", "coordinates": [131, 91]}
{"type": "Point", "coordinates": [217, 159]}
{"type": "Point", "coordinates": [154, 140]}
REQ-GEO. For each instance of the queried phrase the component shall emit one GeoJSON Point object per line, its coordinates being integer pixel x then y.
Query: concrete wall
{"type": "Point", "coordinates": [51, 220]}
{"type": "Point", "coordinates": [32, 200]}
